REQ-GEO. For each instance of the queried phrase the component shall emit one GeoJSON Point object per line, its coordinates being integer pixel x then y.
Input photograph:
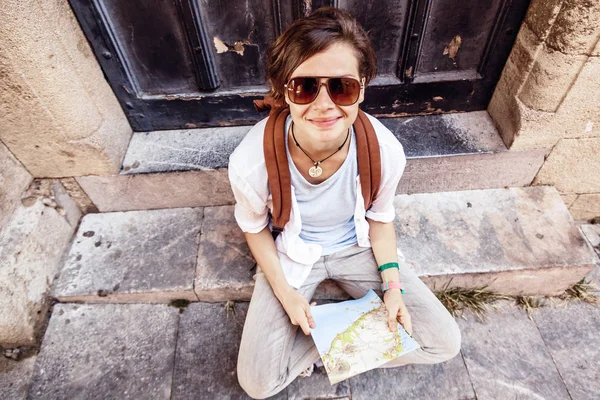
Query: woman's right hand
{"type": "Point", "coordinates": [298, 309]}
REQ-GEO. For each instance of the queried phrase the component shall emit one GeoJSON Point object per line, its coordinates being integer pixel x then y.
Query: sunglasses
{"type": "Point", "coordinates": [305, 89]}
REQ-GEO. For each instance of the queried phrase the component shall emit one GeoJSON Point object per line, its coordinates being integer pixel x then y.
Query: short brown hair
{"type": "Point", "coordinates": [308, 36]}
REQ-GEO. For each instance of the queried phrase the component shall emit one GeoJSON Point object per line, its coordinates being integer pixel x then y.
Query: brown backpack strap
{"type": "Point", "coordinates": [369, 158]}
{"type": "Point", "coordinates": [278, 171]}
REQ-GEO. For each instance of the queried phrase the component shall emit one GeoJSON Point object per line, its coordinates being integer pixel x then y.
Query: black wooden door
{"type": "Point", "coordinates": [197, 63]}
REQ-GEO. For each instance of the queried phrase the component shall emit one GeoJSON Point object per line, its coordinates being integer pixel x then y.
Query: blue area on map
{"type": "Point", "coordinates": [331, 319]}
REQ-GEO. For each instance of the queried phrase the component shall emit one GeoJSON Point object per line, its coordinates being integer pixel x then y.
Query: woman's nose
{"type": "Point", "coordinates": [323, 101]}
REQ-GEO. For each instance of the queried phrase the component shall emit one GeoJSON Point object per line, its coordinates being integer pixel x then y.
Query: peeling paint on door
{"type": "Point", "coordinates": [222, 47]}
{"type": "Point", "coordinates": [453, 47]}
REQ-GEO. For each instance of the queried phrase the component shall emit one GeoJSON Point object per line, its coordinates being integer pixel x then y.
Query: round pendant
{"type": "Point", "coordinates": [315, 171]}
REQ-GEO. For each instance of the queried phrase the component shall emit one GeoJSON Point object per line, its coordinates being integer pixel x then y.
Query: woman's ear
{"type": "Point", "coordinates": [361, 98]}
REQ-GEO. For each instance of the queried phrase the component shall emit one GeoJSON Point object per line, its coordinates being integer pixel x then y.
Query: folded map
{"type": "Point", "coordinates": [353, 337]}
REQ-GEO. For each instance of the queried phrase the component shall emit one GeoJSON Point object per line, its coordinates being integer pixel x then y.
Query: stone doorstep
{"type": "Point", "coordinates": [514, 241]}
{"type": "Point", "coordinates": [187, 168]}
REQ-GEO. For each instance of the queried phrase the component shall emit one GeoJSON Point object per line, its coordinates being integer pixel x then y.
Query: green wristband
{"type": "Point", "coordinates": [388, 266]}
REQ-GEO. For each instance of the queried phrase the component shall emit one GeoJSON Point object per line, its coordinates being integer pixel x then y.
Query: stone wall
{"type": "Point", "coordinates": [14, 179]}
{"type": "Point", "coordinates": [548, 98]}
{"type": "Point", "coordinates": [58, 115]}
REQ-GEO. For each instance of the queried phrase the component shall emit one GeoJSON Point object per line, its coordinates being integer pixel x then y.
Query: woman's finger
{"type": "Point", "coordinates": [311, 321]}
{"type": "Point", "coordinates": [392, 323]}
{"type": "Point", "coordinates": [405, 320]}
{"type": "Point", "coordinates": [305, 327]}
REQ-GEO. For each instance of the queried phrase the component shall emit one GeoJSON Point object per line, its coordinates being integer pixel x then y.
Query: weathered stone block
{"type": "Point", "coordinates": [54, 195]}
{"type": "Point", "coordinates": [61, 117]}
{"type": "Point", "coordinates": [568, 199]}
{"type": "Point", "coordinates": [182, 150]}
{"type": "Point", "coordinates": [207, 350]}
{"type": "Point", "coordinates": [161, 190]}
{"type": "Point", "coordinates": [541, 16]}
{"type": "Point", "coordinates": [575, 30]}
{"type": "Point", "coordinates": [586, 207]}
{"type": "Point", "coordinates": [31, 247]}
{"type": "Point", "coordinates": [448, 380]}
{"type": "Point", "coordinates": [467, 172]}
{"type": "Point", "coordinates": [518, 240]}
{"type": "Point", "coordinates": [14, 377]}
{"type": "Point", "coordinates": [107, 351]}
{"type": "Point", "coordinates": [14, 179]}
{"type": "Point", "coordinates": [550, 79]}
{"type": "Point", "coordinates": [571, 337]}
{"type": "Point", "coordinates": [225, 264]}
{"type": "Point", "coordinates": [579, 113]}
{"type": "Point", "coordinates": [572, 166]}
{"type": "Point", "coordinates": [132, 256]}
{"type": "Point", "coordinates": [507, 358]}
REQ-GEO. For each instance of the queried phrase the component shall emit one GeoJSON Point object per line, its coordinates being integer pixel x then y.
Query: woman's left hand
{"type": "Point", "coordinates": [397, 311]}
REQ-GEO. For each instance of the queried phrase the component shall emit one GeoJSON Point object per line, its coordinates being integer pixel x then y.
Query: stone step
{"type": "Point", "coordinates": [519, 241]}
{"type": "Point", "coordinates": [188, 168]}
{"type": "Point", "coordinates": [140, 351]}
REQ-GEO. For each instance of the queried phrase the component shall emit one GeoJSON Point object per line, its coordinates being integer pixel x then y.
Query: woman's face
{"type": "Point", "coordinates": [323, 122]}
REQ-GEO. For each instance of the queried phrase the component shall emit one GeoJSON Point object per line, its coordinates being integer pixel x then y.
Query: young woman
{"type": "Point", "coordinates": [319, 68]}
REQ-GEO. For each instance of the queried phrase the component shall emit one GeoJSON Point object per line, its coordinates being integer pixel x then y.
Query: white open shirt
{"type": "Point", "coordinates": [249, 182]}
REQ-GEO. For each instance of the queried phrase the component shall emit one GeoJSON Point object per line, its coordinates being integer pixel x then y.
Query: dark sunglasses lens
{"type": "Point", "coordinates": [303, 90]}
{"type": "Point", "coordinates": [344, 91]}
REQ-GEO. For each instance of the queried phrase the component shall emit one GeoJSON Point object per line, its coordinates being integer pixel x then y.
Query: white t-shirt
{"type": "Point", "coordinates": [327, 208]}
{"type": "Point", "coordinates": [249, 183]}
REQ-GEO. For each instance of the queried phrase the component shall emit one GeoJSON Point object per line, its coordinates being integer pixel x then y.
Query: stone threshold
{"type": "Point", "coordinates": [188, 168]}
{"type": "Point", "coordinates": [519, 241]}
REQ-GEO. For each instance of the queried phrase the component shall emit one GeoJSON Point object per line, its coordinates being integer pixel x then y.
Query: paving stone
{"type": "Point", "coordinates": [102, 351]}
{"type": "Point", "coordinates": [507, 358]}
{"type": "Point", "coordinates": [516, 241]}
{"type": "Point", "coordinates": [207, 350]}
{"type": "Point", "coordinates": [571, 337]}
{"type": "Point", "coordinates": [158, 190]}
{"type": "Point", "coordinates": [182, 150]}
{"type": "Point", "coordinates": [446, 134]}
{"type": "Point", "coordinates": [133, 256]}
{"type": "Point", "coordinates": [225, 262]}
{"type": "Point", "coordinates": [448, 380]}
{"type": "Point", "coordinates": [470, 171]}
{"type": "Point", "coordinates": [317, 386]}
{"type": "Point", "coordinates": [14, 377]}
{"type": "Point", "coordinates": [32, 245]}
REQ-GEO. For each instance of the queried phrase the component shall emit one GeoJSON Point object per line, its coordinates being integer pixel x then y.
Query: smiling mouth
{"type": "Point", "coordinates": [325, 121]}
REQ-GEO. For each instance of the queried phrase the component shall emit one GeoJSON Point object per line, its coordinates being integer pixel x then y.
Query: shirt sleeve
{"type": "Point", "coordinates": [393, 163]}
{"type": "Point", "coordinates": [251, 211]}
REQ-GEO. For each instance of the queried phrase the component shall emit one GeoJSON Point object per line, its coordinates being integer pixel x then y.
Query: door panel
{"type": "Point", "coordinates": [240, 32]}
{"type": "Point", "coordinates": [385, 21]}
{"type": "Point", "coordinates": [152, 45]}
{"type": "Point", "coordinates": [456, 36]}
{"type": "Point", "coordinates": [198, 63]}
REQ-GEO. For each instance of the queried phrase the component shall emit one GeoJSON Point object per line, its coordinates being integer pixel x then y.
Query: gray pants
{"type": "Point", "coordinates": [273, 352]}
